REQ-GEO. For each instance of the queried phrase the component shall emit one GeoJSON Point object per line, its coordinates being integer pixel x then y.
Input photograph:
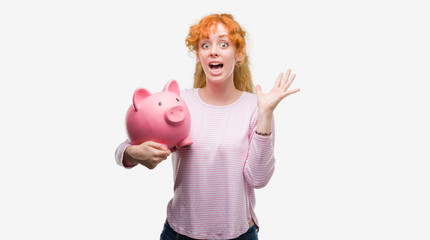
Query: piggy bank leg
{"type": "Point", "coordinates": [185, 142]}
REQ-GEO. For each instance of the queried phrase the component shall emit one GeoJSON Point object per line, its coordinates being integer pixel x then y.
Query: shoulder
{"type": "Point", "coordinates": [187, 94]}
{"type": "Point", "coordinates": [250, 96]}
{"type": "Point", "coordinates": [248, 100]}
{"type": "Point", "coordinates": [187, 91]}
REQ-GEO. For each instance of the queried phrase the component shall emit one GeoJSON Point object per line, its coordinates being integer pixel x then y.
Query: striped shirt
{"type": "Point", "coordinates": [215, 177]}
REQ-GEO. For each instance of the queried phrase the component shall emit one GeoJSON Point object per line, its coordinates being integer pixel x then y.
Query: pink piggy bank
{"type": "Point", "coordinates": [161, 117]}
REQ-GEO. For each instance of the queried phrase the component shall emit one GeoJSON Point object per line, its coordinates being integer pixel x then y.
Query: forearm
{"type": "Point", "coordinates": [260, 164]}
{"type": "Point", "coordinates": [264, 123]}
{"type": "Point", "coordinates": [128, 161]}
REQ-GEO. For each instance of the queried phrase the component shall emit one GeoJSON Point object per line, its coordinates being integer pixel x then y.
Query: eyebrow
{"type": "Point", "coordinates": [221, 36]}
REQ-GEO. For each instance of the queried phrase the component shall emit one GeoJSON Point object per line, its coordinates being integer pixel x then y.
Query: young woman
{"type": "Point", "coordinates": [233, 134]}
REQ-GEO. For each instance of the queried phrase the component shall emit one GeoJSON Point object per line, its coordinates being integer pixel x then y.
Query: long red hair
{"type": "Point", "coordinates": [242, 74]}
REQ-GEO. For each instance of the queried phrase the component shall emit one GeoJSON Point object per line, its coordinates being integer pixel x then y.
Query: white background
{"type": "Point", "coordinates": [352, 147]}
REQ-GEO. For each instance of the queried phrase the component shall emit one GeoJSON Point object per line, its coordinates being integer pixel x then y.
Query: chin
{"type": "Point", "coordinates": [217, 79]}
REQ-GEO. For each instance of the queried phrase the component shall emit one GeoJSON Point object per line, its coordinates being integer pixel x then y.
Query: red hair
{"type": "Point", "coordinates": [207, 25]}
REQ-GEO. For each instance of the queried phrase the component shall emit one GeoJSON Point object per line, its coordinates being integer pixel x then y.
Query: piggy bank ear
{"type": "Point", "coordinates": [139, 95]}
{"type": "Point", "coordinates": [172, 86]}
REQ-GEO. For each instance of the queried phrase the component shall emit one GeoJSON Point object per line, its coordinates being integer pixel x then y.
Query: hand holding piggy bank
{"type": "Point", "coordinates": [161, 117]}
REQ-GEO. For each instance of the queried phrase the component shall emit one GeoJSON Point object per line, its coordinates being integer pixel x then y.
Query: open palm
{"type": "Point", "coordinates": [267, 102]}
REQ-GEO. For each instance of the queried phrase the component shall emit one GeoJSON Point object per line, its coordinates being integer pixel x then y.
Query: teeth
{"type": "Point", "coordinates": [215, 65]}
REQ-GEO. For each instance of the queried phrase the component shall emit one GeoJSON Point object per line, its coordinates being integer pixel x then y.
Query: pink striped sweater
{"type": "Point", "coordinates": [215, 177]}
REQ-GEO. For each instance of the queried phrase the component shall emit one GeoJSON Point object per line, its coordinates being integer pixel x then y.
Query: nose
{"type": "Point", "coordinates": [214, 52]}
{"type": "Point", "coordinates": [174, 115]}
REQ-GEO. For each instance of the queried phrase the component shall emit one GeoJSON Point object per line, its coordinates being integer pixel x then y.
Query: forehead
{"type": "Point", "coordinates": [215, 30]}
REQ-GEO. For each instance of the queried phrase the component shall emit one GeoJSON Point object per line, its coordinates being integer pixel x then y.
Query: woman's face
{"type": "Point", "coordinates": [217, 54]}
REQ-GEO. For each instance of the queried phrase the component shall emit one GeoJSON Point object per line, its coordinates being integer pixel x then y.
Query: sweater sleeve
{"type": "Point", "coordinates": [260, 162]}
{"type": "Point", "coordinates": [119, 153]}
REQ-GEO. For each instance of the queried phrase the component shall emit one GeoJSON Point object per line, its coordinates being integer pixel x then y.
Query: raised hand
{"type": "Point", "coordinates": [267, 102]}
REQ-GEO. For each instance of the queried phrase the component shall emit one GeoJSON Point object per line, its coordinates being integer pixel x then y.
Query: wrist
{"type": "Point", "coordinates": [265, 114]}
{"type": "Point", "coordinates": [265, 134]}
{"type": "Point", "coordinates": [128, 160]}
{"type": "Point", "coordinates": [265, 117]}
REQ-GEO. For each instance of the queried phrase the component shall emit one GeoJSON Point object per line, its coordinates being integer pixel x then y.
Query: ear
{"type": "Point", "coordinates": [197, 58]}
{"type": "Point", "coordinates": [239, 57]}
{"type": "Point", "coordinates": [139, 95]}
{"type": "Point", "coordinates": [172, 86]}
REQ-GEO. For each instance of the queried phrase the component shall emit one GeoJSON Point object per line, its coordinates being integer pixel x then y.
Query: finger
{"type": "Point", "coordinates": [286, 77]}
{"type": "Point", "coordinates": [292, 91]}
{"type": "Point", "coordinates": [156, 145]}
{"type": "Point", "coordinates": [285, 94]}
{"type": "Point", "coordinates": [159, 160]}
{"type": "Point", "coordinates": [151, 165]}
{"type": "Point", "coordinates": [258, 89]}
{"type": "Point", "coordinates": [278, 80]}
{"type": "Point", "coordinates": [161, 153]}
{"type": "Point", "coordinates": [161, 156]}
{"type": "Point", "coordinates": [290, 81]}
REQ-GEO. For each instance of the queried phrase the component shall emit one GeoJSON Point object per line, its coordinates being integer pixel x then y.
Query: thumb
{"type": "Point", "coordinates": [156, 145]}
{"type": "Point", "coordinates": [258, 89]}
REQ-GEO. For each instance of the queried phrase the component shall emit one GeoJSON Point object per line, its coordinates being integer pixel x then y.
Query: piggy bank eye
{"type": "Point", "coordinates": [159, 104]}
{"type": "Point", "coordinates": [177, 99]}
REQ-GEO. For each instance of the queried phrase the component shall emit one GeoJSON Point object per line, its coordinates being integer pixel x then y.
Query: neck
{"type": "Point", "coordinates": [219, 94]}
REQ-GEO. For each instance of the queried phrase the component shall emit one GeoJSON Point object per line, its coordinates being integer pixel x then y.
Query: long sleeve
{"type": "Point", "coordinates": [119, 153]}
{"type": "Point", "coordinates": [260, 162]}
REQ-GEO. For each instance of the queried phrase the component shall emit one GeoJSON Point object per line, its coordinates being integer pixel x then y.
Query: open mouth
{"type": "Point", "coordinates": [216, 65]}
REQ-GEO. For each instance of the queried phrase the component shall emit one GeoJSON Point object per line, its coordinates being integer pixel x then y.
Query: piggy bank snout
{"type": "Point", "coordinates": [175, 115]}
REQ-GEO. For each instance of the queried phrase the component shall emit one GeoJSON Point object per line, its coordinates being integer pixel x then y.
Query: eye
{"type": "Point", "coordinates": [159, 104]}
{"type": "Point", "coordinates": [205, 45]}
{"type": "Point", "coordinates": [177, 99]}
{"type": "Point", "coordinates": [224, 44]}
